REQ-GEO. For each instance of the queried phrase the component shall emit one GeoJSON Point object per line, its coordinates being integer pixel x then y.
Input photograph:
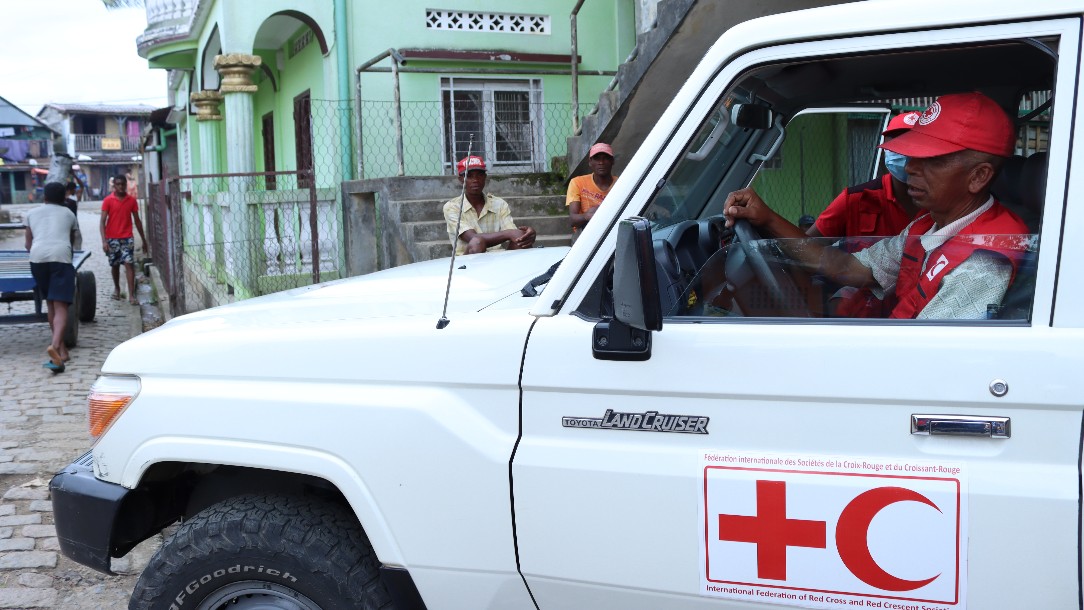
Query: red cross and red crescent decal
{"type": "Point", "coordinates": [828, 532]}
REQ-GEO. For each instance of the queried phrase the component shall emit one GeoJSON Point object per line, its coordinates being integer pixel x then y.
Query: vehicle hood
{"type": "Point", "coordinates": [384, 319]}
{"type": "Point", "coordinates": [418, 289]}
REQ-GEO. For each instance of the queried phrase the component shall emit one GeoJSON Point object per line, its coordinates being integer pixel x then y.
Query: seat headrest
{"type": "Point", "coordinates": [1006, 187]}
{"type": "Point", "coordinates": [1033, 182]}
{"type": "Point", "coordinates": [1021, 186]}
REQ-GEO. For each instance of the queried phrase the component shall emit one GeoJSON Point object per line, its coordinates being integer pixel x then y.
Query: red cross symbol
{"type": "Point", "coordinates": [771, 531]}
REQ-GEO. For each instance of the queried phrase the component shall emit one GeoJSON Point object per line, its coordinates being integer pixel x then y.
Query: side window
{"type": "Point", "coordinates": [868, 234]}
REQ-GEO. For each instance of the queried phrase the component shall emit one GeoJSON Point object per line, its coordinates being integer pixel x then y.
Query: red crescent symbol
{"type": "Point", "coordinates": [852, 534]}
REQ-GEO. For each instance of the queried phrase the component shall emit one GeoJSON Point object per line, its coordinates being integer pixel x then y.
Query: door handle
{"type": "Point", "coordinates": [961, 425]}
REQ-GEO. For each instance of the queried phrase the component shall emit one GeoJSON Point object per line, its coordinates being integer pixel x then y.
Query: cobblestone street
{"type": "Point", "coordinates": [43, 428]}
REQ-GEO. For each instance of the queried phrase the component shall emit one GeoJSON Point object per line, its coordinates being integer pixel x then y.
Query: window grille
{"type": "Point", "coordinates": [300, 43]}
{"type": "Point", "coordinates": [505, 118]}
{"type": "Point", "coordinates": [513, 23]}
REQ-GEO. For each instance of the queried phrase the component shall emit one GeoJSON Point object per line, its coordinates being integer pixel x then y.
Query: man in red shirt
{"type": "Point", "coordinates": [119, 211]}
{"type": "Point", "coordinates": [878, 208]}
{"type": "Point", "coordinates": [866, 213]}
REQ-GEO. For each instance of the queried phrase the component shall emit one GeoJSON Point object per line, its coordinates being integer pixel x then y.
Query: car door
{"type": "Point", "coordinates": [810, 461]}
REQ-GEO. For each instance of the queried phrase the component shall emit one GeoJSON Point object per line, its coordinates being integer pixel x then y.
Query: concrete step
{"type": "Point", "coordinates": [419, 210]}
{"type": "Point", "coordinates": [430, 250]}
{"type": "Point", "coordinates": [435, 230]}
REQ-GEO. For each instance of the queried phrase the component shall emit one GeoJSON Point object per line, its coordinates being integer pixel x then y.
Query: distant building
{"type": "Point", "coordinates": [104, 139]}
{"type": "Point", "coordinates": [25, 148]}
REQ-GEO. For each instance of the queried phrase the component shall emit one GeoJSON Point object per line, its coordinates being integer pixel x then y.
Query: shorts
{"type": "Point", "coordinates": [121, 251]}
{"type": "Point", "coordinates": [56, 281]}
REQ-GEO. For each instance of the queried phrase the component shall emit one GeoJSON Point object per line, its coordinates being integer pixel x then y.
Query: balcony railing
{"type": "Point", "coordinates": [167, 20]}
{"type": "Point", "coordinates": [96, 142]}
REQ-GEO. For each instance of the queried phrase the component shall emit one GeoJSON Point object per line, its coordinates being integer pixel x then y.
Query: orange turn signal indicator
{"type": "Point", "coordinates": [108, 398]}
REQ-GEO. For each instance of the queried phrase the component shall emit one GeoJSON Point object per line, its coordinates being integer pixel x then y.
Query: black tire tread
{"type": "Point", "coordinates": [88, 294]}
{"type": "Point", "coordinates": [324, 537]}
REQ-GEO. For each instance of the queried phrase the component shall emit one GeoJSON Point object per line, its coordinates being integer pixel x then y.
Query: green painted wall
{"type": "Point", "coordinates": [607, 35]}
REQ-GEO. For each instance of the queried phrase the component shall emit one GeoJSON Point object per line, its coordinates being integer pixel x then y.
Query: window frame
{"type": "Point", "coordinates": [449, 85]}
{"type": "Point", "coordinates": [578, 295]}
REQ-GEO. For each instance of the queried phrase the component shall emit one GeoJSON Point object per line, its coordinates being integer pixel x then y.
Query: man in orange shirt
{"type": "Point", "coordinates": [585, 193]}
{"type": "Point", "coordinates": [119, 211]}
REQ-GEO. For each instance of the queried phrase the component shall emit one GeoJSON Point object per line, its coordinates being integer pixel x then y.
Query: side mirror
{"type": "Point", "coordinates": [636, 287]}
{"type": "Point", "coordinates": [752, 116]}
{"type": "Point", "coordinates": [637, 305]}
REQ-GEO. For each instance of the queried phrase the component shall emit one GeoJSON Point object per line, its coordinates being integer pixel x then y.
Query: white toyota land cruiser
{"type": "Point", "coordinates": [727, 440]}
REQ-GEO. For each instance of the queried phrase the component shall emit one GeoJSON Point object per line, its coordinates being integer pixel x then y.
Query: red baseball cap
{"type": "Point", "coordinates": [601, 148]}
{"type": "Point", "coordinates": [901, 123]}
{"type": "Point", "coordinates": [956, 122]}
{"type": "Point", "coordinates": [470, 163]}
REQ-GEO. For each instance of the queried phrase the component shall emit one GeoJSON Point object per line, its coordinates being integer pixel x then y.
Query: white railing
{"type": "Point", "coordinates": [166, 20]}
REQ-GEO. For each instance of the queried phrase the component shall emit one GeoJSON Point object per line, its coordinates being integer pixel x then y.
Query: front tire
{"type": "Point", "coordinates": [265, 552]}
{"type": "Point", "coordinates": [88, 296]}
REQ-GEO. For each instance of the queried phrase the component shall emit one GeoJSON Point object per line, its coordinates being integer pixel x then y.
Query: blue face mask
{"type": "Point", "coordinates": [895, 163]}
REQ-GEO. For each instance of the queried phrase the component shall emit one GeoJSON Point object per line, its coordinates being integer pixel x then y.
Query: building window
{"type": "Point", "coordinates": [505, 118]}
{"type": "Point", "coordinates": [438, 19]}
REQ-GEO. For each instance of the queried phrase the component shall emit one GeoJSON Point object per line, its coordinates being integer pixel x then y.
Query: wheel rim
{"type": "Point", "coordinates": [257, 595]}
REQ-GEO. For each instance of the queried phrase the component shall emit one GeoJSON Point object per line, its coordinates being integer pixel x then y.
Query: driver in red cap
{"type": "Point", "coordinates": [478, 221]}
{"type": "Point", "coordinates": [934, 269]}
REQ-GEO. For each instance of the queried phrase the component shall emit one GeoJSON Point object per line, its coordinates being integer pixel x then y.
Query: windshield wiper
{"type": "Point", "coordinates": [531, 289]}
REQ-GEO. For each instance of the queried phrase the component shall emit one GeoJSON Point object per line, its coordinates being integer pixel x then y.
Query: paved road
{"type": "Point", "coordinates": [43, 428]}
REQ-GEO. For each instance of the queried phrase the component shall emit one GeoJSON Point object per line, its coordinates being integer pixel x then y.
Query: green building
{"type": "Point", "coordinates": [326, 91]}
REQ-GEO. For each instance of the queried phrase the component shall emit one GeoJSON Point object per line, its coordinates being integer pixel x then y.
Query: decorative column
{"type": "Point", "coordinates": [207, 116]}
{"type": "Point", "coordinates": [245, 250]}
{"type": "Point", "coordinates": [236, 72]}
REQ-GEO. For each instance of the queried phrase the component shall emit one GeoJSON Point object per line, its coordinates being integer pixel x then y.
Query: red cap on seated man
{"type": "Point", "coordinates": [478, 221]}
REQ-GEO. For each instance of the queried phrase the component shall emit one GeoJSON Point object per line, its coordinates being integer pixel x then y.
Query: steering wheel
{"type": "Point", "coordinates": [780, 287]}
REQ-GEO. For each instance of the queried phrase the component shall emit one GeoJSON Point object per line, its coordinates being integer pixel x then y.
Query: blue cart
{"type": "Point", "coordinates": [16, 284]}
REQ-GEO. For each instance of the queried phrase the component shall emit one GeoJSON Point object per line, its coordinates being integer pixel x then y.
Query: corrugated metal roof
{"type": "Point", "coordinates": [11, 115]}
{"type": "Point", "coordinates": [133, 109]}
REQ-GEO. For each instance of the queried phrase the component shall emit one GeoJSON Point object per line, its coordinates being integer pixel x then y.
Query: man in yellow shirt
{"type": "Point", "coordinates": [585, 193]}
{"type": "Point", "coordinates": [483, 222]}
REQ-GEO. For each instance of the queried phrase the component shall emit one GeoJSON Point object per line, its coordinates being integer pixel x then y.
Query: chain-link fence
{"type": "Point", "coordinates": [236, 236]}
{"type": "Point", "coordinates": [512, 134]}
{"type": "Point", "coordinates": [164, 234]}
{"type": "Point", "coordinates": [332, 139]}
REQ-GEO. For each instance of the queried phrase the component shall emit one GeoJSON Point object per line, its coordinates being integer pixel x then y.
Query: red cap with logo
{"type": "Point", "coordinates": [960, 121]}
{"type": "Point", "coordinates": [470, 163]}
{"type": "Point", "coordinates": [901, 123]}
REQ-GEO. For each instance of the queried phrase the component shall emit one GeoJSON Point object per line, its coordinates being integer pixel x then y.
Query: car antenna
{"type": "Point", "coordinates": [444, 321]}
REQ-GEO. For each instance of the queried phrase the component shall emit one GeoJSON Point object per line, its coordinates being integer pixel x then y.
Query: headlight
{"type": "Point", "coordinates": [108, 397]}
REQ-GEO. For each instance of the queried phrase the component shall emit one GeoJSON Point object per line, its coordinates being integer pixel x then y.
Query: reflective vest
{"type": "Point", "coordinates": [1002, 231]}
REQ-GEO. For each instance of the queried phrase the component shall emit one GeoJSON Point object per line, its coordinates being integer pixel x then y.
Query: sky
{"type": "Point", "coordinates": [69, 51]}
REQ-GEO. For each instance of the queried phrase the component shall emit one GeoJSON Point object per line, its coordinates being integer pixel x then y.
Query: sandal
{"type": "Point", "coordinates": [54, 368]}
{"type": "Point", "coordinates": [54, 356]}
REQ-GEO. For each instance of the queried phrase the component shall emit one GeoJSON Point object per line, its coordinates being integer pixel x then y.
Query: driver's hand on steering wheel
{"type": "Point", "coordinates": [748, 205]}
